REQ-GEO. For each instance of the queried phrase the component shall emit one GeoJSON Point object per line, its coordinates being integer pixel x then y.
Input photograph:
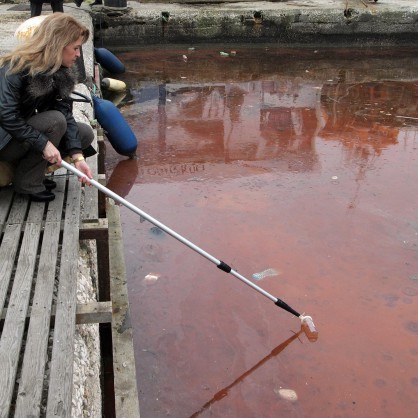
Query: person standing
{"type": "Point", "coordinates": [36, 6]}
{"type": "Point", "coordinates": [37, 126]}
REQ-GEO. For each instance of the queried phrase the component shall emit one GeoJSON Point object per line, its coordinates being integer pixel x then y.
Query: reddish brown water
{"type": "Point", "coordinates": [304, 162]}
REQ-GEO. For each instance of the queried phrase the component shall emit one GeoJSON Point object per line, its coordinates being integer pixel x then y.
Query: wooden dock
{"type": "Point", "coordinates": [41, 313]}
{"type": "Point", "coordinates": [39, 254]}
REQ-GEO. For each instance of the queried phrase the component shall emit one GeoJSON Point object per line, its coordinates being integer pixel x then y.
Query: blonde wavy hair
{"type": "Point", "coordinates": [42, 52]}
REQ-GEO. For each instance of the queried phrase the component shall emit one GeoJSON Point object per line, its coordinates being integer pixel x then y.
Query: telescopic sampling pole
{"type": "Point", "coordinates": [306, 321]}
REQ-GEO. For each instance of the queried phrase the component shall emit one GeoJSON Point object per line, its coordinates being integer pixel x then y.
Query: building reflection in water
{"type": "Point", "coordinates": [181, 127]}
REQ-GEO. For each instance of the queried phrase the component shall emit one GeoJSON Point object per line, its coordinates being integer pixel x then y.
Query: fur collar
{"type": "Point", "coordinates": [61, 83]}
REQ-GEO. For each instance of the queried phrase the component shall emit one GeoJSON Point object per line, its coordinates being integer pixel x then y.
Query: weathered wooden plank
{"type": "Point", "coordinates": [86, 313]}
{"type": "Point", "coordinates": [8, 251]}
{"type": "Point", "coordinates": [54, 210]}
{"type": "Point", "coordinates": [90, 208]}
{"type": "Point", "coordinates": [32, 376]}
{"type": "Point", "coordinates": [6, 196]}
{"type": "Point", "coordinates": [61, 377]}
{"type": "Point", "coordinates": [91, 229]}
{"type": "Point", "coordinates": [18, 211]}
{"type": "Point", "coordinates": [126, 393]}
{"type": "Point", "coordinates": [14, 324]}
{"type": "Point", "coordinates": [94, 313]}
{"type": "Point", "coordinates": [10, 244]}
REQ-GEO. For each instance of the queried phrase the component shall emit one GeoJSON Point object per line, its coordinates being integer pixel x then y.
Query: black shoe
{"type": "Point", "coordinates": [49, 184]}
{"type": "Point", "coordinates": [45, 196]}
{"type": "Point", "coordinates": [78, 2]}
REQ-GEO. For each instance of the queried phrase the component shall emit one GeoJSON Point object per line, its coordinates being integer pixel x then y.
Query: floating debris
{"type": "Point", "coordinates": [287, 394]}
{"type": "Point", "coordinates": [265, 273]}
{"type": "Point", "coordinates": [223, 54]}
{"type": "Point", "coordinates": [151, 277]}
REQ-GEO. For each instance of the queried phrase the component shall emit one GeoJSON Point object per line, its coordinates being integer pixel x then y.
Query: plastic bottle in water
{"type": "Point", "coordinates": [309, 328]}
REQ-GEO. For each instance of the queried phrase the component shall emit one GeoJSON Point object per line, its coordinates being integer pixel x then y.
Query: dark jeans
{"type": "Point", "coordinates": [36, 7]}
{"type": "Point", "coordinates": [30, 166]}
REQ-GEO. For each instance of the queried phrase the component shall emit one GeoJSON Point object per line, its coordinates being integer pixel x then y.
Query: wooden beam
{"type": "Point", "coordinates": [86, 313]}
{"type": "Point", "coordinates": [94, 313]}
{"type": "Point", "coordinates": [94, 229]}
{"type": "Point", "coordinates": [126, 393]}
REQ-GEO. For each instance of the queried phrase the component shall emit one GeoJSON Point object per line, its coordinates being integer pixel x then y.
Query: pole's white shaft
{"type": "Point", "coordinates": [165, 228]}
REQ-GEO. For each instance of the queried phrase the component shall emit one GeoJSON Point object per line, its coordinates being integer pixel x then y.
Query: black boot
{"type": "Point", "coordinates": [49, 184]}
{"type": "Point", "coordinates": [45, 196]}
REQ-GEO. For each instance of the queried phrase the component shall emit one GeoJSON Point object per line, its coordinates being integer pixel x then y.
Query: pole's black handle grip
{"type": "Point", "coordinates": [286, 307]}
{"type": "Point", "coordinates": [224, 267]}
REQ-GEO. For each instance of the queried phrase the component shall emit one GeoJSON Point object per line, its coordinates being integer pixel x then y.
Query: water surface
{"type": "Point", "coordinates": [300, 161]}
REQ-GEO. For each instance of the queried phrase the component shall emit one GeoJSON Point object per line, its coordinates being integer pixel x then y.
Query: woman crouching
{"type": "Point", "coordinates": [37, 126]}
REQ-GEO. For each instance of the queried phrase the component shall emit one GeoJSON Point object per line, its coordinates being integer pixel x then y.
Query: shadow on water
{"type": "Point", "coordinates": [302, 162]}
{"type": "Point", "coordinates": [224, 392]}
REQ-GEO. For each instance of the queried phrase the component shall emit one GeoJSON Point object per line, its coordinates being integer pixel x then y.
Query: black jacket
{"type": "Point", "coordinates": [22, 96]}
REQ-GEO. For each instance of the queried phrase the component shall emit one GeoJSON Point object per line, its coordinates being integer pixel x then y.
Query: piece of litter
{"type": "Point", "coordinates": [224, 54]}
{"type": "Point", "coordinates": [288, 394]}
{"type": "Point", "coordinates": [152, 277]}
{"type": "Point", "coordinates": [334, 177]}
{"type": "Point", "coordinates": [265, 273]}
{"type": "Point", "coordinates": [184, 57]}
